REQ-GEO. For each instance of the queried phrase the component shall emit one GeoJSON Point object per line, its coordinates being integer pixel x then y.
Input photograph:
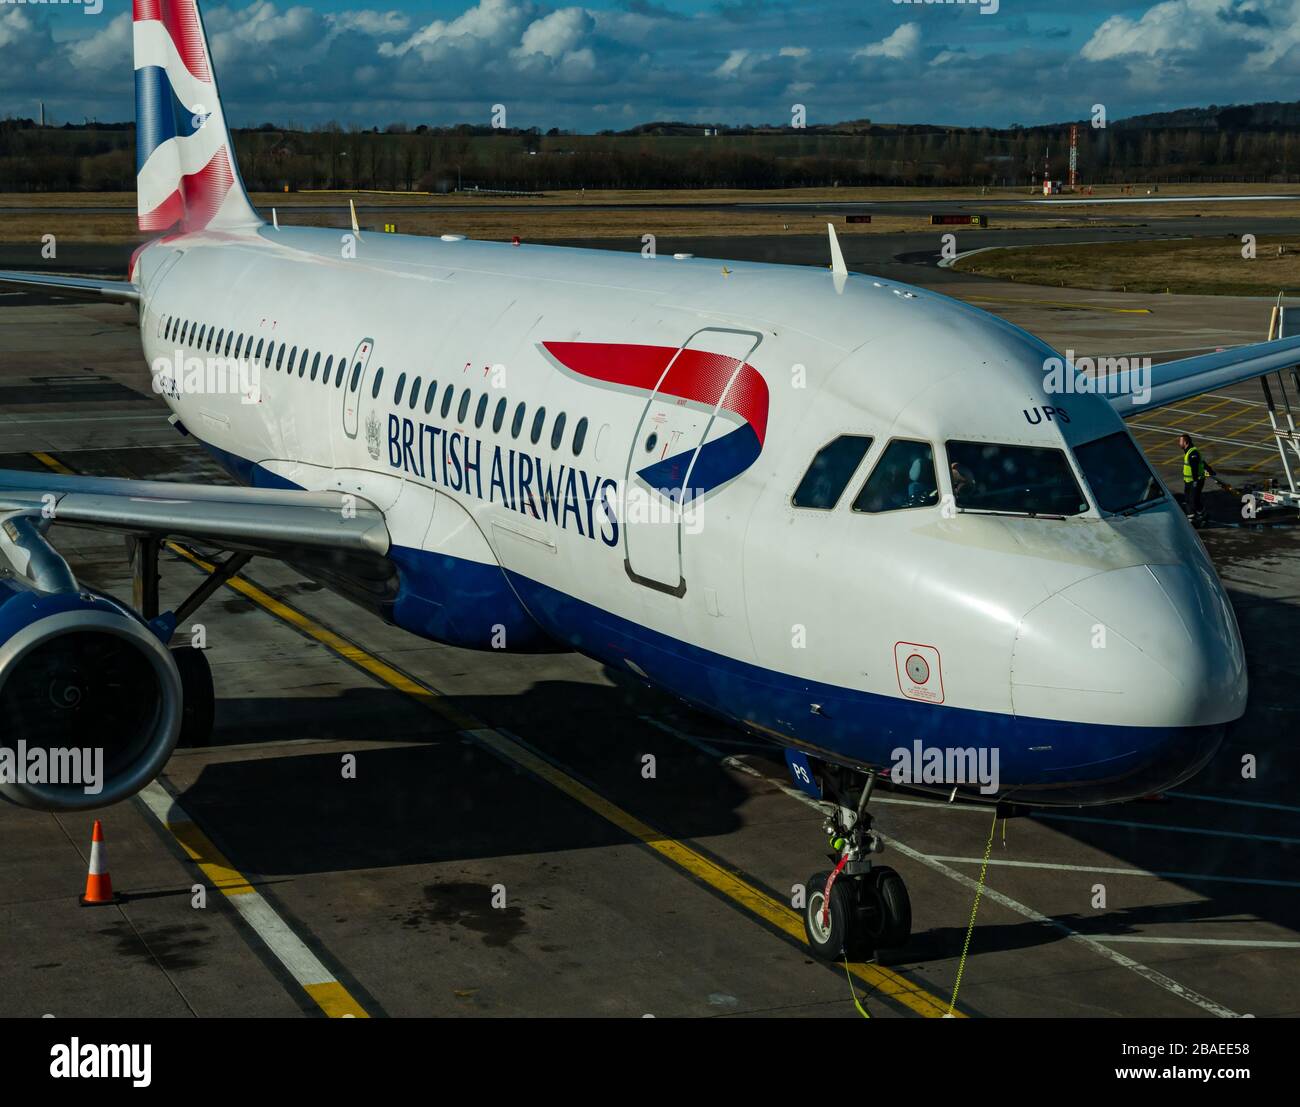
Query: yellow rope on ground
{"type": "Point", "coordinates": [970, 927]}
{"type": "Point", "coordinates": [861, 1010]}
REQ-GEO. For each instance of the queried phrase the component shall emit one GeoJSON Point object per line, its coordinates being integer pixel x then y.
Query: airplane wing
{"type": "Point", "coordinates": [1172, 381]}
{"type": "Point", "coordinates": [76, 287]}
{"type": "Point", "coordinates": [253, 520]}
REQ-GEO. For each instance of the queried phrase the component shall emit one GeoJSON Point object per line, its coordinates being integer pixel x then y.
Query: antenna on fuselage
{"type": "Point", "coordinates": [275, 219]}
{"type": "Point", "coordinates": [837, 255]}
{"type": "Point", "coordinates": [356, 230]}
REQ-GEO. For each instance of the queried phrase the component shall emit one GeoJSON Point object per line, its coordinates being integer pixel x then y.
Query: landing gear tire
{"type": "Point", "coordinates": [200, 699]}
{"type": "Point", "coordinates": [830, 938]}
{"type": "Point", "coordinates": [887, 911]}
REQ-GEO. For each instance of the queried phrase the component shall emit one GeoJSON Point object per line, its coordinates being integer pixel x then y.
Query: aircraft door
{"type": "Point", "coordinates": [354, 385]}
{"type": "Point", "coordinates": [678, 419]}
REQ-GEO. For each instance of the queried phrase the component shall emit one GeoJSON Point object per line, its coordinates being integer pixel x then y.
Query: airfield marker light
{"type": "Point", "coordinates": [99, 885]}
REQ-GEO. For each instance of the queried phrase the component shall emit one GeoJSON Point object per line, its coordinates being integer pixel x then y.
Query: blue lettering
{"type": "Point", "coordinates": [571, 501]}
{"type": "Point", "coordinates": [394, 452]}
{"type": "Point", "coordinates": [473, 466]}
{"type": "Point", "coordinates": [609, 512]}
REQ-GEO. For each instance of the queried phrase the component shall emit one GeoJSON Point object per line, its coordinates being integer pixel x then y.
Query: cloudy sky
{"type": "Point", "coordinates": [614, 63]}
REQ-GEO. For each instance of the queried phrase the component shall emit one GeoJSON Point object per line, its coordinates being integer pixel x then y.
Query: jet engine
{"type": "Point", "coordinates": [90, 697]}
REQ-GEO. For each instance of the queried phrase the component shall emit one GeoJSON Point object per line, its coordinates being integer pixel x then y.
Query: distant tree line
{"type": "Point", "coordinates": [1250, 143]}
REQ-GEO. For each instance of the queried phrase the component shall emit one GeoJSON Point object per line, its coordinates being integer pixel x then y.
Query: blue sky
{"type": "Point", "coordinates": [614, 63]}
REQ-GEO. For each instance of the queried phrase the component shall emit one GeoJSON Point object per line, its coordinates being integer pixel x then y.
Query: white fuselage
{"type": "Point", "coordinates": [747, 594]}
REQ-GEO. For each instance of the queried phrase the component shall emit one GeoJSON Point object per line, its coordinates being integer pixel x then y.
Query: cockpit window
{"type": "Point", "coordinates": [1022, 480]}
{"type": "Point", "coordinates": [1117, 473]}
{"type": "Point", "coordinates": [902, 478]}
{"type": "Point", "coordinates": [830, 472]}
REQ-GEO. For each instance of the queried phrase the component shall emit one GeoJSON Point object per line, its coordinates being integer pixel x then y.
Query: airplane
{"type": "Point", "coordinates": [843, 514]}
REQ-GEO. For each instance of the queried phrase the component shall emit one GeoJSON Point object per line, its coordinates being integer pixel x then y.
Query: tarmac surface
{"type": "Point", "coordinates": [485, 776]}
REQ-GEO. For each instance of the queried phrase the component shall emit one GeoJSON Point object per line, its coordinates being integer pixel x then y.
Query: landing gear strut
{"type": "Point", "coordinates": [857, 908]}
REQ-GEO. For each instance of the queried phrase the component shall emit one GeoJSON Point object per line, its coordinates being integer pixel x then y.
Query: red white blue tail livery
{"type": "Point", "coordinates": [186, 176]}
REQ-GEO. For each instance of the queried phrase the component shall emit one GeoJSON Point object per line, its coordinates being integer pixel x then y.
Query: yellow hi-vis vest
{"type": "Point", "coordinates": [1192, 472]}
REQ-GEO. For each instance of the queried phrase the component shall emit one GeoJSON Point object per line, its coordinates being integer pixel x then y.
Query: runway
{"type": "Point", "coordinates": [518, 780]}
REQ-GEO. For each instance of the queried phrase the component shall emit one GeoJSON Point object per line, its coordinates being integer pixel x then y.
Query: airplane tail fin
{"type": "Point", "coordinates": [186, 175]}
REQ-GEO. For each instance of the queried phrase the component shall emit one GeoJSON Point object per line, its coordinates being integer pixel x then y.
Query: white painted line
{"type": "Point", "coordinates": [1050, 865]}
{"type": "Point", "coordinates": [303, 965]}
{"type": "Point", "coordinates": [1151, 975]}
{"type": "Point", "coordinates": [1145, 971]}
{"type": "Point", "coordinates": [1237, 802]}
{"type": "Point", "coordinates": [1167, 828]}
{"type": "Point", "coordinates": [1245, 943]}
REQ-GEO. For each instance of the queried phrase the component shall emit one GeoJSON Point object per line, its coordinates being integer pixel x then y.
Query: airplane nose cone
{"type": "Point", "coordinates": [1146, 646]}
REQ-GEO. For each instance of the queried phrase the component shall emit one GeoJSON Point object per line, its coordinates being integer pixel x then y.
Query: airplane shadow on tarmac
{"type": "Point", "coordinates": [444, 798]}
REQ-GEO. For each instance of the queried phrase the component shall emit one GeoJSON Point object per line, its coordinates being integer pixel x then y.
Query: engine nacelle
{"type": "Point", "coordinates": [86, 689]}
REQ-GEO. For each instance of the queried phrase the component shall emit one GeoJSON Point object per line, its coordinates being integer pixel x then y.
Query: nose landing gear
{"type": "Point", "coordinates": [857, 908]}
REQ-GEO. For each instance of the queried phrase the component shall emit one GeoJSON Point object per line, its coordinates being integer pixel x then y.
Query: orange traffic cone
{"type": "Point", "coordinates": [99, 885]}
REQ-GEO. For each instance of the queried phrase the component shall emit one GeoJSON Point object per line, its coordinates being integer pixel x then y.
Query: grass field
{"type": "Point", "coordinates": [1202, 266]}
{"type": "Point", "coordinates": [540, 223]}
{"type": "Point", "coordinates": [464, 213]}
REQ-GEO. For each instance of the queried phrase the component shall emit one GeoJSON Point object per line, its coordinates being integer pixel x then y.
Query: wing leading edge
{"type": "Point", "coordinates": [258, 520]}
{"type": "Point", "coordinates": [78, 287]}
{"type": "Point", "coordinates": [1172, 381]}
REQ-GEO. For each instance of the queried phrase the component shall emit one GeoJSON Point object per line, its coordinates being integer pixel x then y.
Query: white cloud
{"type": "Point", "coordinates": [556, 34]}
{"type": "Point", "coordinates": [373, 23]}
{"type": "Point", "coordinates": [490, 22]}
{"type": "Point", "coordinates": [15, 25]}
{"type": "Point", "coordinates": [794, 51]}
{"type": "Point", "coordinates": [732, 66]}
{"type": "Point", "coordinates": [900, 43]}
{"type": "Point", "coordinates": [106, 51]}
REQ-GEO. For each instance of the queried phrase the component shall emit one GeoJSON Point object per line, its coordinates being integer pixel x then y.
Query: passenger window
{"type": "Point", "coordinates": [302, 362]}
{"type": "Point", "coordinates": [830, 472]}
{"type": "Point", "coordinates": [463, 410]}
{"type": "Point", "coordinates": [517, 423]}
{"type": "Point", "coordinates": [293, 357]}
{"type": "Point", "coordinates": [579, 436]}
{"type": "Point", "coordinates": [356, 377]}
{"type": "Point", "coordinates": [401, 390]}
{"type": "Point", "coordinates": [415, 393]}
{"type": "Point", "coordinates": [341, 371]}
{"type": "Point", "coordinates": [258, 356]}
{"type": "Point", "coordinates": [538, 420]}
{"type": "Point", "coordinates": [239, 345]}
{"type": "Point", "coordinates": [379, 379]}
{"type": "Point", "coordinates": [557, 431]}
{"type": "Point", "coordinates": [480, 412]}
{"type": "Point", "coordinates": [329, 370]}
{"type": "Point", "coordinates": [279, 357]}
{"type": "Point", "coordinates": [430, 397]}
{"type": "Point", "coordinates": [499, 416]}
{"type": "Point", "coordinates": [446, 399]}
{"type": "Point", "coordinates": [199, 342]}
{"type": "Point", "coordinates": [902, 478]}
{"type": "Point", "coordinates": [315, 366]}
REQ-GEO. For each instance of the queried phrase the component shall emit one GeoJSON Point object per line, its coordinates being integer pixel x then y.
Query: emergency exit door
{"type": "Point", "coordinates": [679, 418]}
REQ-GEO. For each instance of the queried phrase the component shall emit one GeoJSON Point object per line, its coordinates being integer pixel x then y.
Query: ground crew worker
{"type": "Point", "coordinates": [1195, 468]}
